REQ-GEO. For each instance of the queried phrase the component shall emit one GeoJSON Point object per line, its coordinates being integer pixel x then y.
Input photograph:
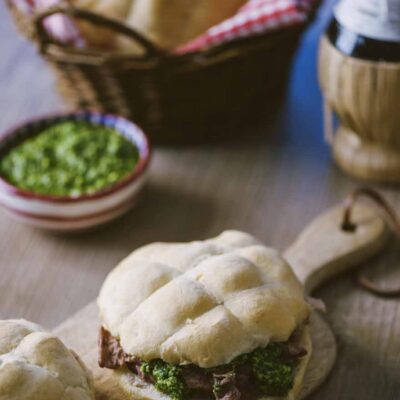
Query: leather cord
{"type": "Point", "coordinates": [349, 226]}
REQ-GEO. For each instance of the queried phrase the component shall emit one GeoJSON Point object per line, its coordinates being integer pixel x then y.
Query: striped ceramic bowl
{"type": "Point", "coordinates": [66, 213]}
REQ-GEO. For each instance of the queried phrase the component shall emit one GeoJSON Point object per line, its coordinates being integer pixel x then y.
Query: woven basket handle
{"type": "Point", "coordinates": [151, 51]}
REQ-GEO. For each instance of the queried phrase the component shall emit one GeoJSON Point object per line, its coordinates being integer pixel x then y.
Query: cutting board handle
{"type": "Point", "coordinates": [339, 239]}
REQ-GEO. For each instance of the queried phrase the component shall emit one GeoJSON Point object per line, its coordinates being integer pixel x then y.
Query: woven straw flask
{"type": "Point", "coordinates": [364, 91]}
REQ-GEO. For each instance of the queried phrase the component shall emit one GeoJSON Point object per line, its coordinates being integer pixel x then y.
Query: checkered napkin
{"type": "Point", "coordinates": [256, 17]}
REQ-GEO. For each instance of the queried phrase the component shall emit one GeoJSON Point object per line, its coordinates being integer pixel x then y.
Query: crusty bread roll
{"type": "Point", "coordinates": [35, 365]}
{"type": "Point", "coordinates": [98, 37]}
{"type": "Point", "coordinates": [202, 303]}
{"type": "Point", "coordinates": [171, 23]}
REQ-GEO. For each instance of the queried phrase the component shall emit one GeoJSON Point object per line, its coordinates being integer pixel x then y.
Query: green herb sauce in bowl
{"type": "Point", "coordinates": [72, 172]}
{"type": "Point", "coordinates": [70, 158]}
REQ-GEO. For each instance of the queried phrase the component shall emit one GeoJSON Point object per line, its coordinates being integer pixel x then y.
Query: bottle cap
{"type": "Point", "coordinates": [375, 19]}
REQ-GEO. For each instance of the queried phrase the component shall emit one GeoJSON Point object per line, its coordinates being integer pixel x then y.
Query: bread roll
{"type": "Point", "coordinates": [101, 37]}
{"type": "Point", "coordinates": [35, 365]}
{"type": "Point", "coordinates": [171, 23]}
{"type": "Point", "coordinates": [203, 303]}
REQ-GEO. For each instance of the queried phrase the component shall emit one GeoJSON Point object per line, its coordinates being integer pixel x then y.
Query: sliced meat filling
{"type": "Point", "coordinates": [224, 387]}
{"type": "Point", "coordinates": [268, 371]}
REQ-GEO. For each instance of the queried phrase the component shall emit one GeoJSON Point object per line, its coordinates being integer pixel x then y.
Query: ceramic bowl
{"type": "Point", "coordinates": [87, 211]}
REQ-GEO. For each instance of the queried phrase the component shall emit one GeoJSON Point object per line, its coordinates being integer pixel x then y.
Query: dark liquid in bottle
{"type": "Point", "coordinates": [358, 46]}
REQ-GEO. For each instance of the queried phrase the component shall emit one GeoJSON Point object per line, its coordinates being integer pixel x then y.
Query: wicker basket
{"type": "Point", "coordinates": [173, 97]}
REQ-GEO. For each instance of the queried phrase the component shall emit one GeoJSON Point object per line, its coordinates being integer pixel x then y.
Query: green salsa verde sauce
{"type": "Point", "coordinates": [273, 375]}
{"type": "Point", "coordinates": [70, 158]}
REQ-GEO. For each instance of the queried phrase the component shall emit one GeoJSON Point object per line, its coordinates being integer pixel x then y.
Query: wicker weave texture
{"type": "Point", "coordinates": [186, 97]}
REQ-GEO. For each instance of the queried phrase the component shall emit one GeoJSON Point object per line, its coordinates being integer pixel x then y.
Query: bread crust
{"type": "Point", "coordinates": [94, 35]}
{"type": "Point", "coordinates": [172, 23]}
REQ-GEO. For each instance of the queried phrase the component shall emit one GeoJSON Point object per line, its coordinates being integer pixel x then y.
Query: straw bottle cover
{"type": "Point", "coordinates": [374, 19]}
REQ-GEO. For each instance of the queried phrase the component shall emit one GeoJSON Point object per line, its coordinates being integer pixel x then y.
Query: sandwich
{"type": "Point", "coordinates": [35, 365]}
{"type": "Point", "coordinates": [223, 318]}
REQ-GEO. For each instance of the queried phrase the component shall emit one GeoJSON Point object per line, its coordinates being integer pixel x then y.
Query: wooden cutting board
{"type": "Point", "coordinates": [322, 251]}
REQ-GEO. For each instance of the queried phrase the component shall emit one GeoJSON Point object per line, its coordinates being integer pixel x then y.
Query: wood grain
{"type": "Point", "coordinates": [270, 186]}
{"type": "Point", "coordinates": [365, 95]}
{"type": "Point", "coordinates": [324, 250]}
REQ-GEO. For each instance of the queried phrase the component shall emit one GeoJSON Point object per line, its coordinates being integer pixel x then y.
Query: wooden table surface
{"type": "Point", "coordinates": [271, 188]}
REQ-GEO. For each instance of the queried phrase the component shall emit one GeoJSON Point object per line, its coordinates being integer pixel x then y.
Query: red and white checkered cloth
{"type": "Point", "coordinates": [256, 17]}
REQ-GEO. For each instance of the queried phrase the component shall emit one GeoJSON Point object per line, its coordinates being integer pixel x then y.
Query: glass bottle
{"type": "Point", "coordinates": [359, 73]}
{"type": "Point", "coordinates": [367, 29]}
